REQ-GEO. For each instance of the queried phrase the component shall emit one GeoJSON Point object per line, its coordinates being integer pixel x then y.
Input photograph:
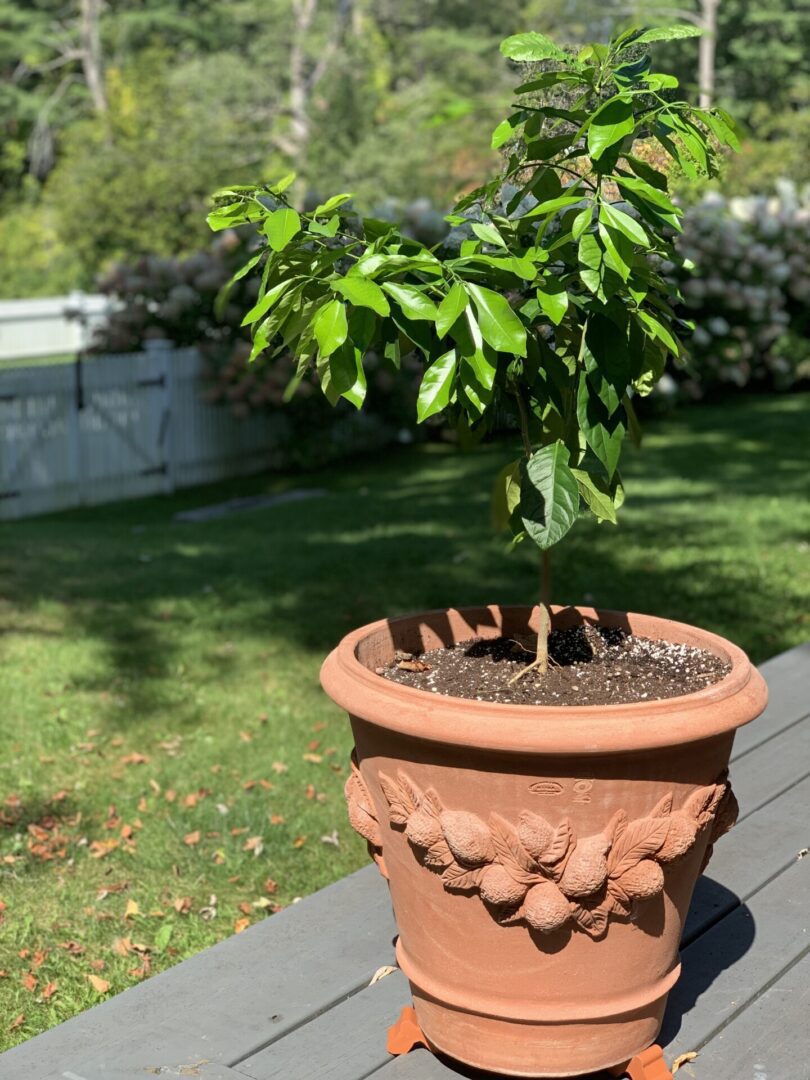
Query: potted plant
{"type": "Point", "coordinates": [541, 856]}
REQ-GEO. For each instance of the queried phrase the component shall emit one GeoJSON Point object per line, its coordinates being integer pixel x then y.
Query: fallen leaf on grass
{"type": "Point", "coordinates": [245, 907]}
{"type": "Point", "coordinates": [72, 947]}
{"type": "Point", "coordinates": [134, 759]}
{"type": "Point", "coordinates": [314, 759]}
{"type": "Point", "coordinates": [380, 973]}
{"type": "Point", "coordinates": [683, 1059]}
{"type": "Point", "coordinates": [99, 849]}
{"type": "Point", "coordinates": [49, 991]}
{"type": "Point", "coordinates": [182, 905]}
{"type": "Point", "coordinates": [101, 986]}
{"type": "Point", "coordinates": [143, 971]}
{"type": "Point", "coordinates": [277, 819]}
{"type": "Point", "coordinates": [245, 736]}
{"type": "Point", "coordinates": [270, 886]}
{"type": "Point", "coordinates": [254, 844]}
{"type": "Point", "coordinates": [331, 838]}
{"type": "Point", "coordinates": [170, 795]}
{"type": "Point", "coordinates": [279, 767]}
{"type": "Point", "coordinates": [122, 946]}
{"type": "Point", "coordinates": [17, 1022]}
{"type": "Point", "coordinates": [143, 805]}
{"type": "Point", "coordinates": [97, 965]}
{"type": "Point", "coordinates": [240, 925]}
{"type": "Point", "coordinates": [192, 838]}
{"type": "Point", "coordinates": [108, 890]}
{"type": "Point", "coordinates": [29, 981]}
{"type": "Point", "coordinates": [132, 909]}
{"type": "Point", "coordinates": [299, 841]}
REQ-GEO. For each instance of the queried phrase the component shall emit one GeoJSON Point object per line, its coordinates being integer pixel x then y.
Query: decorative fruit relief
{"type": "Point", "coordinates": [540, 873]}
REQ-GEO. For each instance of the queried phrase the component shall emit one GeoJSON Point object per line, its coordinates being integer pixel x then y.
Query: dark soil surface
{"type": "Point", "coordinates": [588, 666]}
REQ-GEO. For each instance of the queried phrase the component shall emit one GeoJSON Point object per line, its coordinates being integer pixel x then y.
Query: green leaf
{"type": "Point", "coordinates": [332, 204]}
{"type": "Point", "coordinates": [618, 251]}
{"type": "Point", "coordinates": [552, 296]}
{"type": "Point", "coordinates": [500, 326]}
{"type": "Point", "coordinates": [331, 327]}
{"type": "Point", "coordinates": [163, 936]}
{"type": "Point", "coordinates": [267, 301]}
{"type": "Point", "coordinates": [631, 228]}
{"type": "Point", "coordinates": [488, 233]}
{"type": "Point", "coordinates": [531, 46]}
{"type": "Point", "coordinates": [648, 193]}
{"type": "Point", "coordinates": [595, 492]}
{"type": "Point", "coordinates": [328, 228]}
{"type": "Point", "coordinates": [610, 124]}
{"type": "Point", "coordinates": [544, 149]}
{"type": "Point", "coordinates": [666, 33]}
{"type": "Point", "coordinates": [281, 226]}
{"type": "Point", "coordinates": [550, 78]}
{"type": "Point", "coordinates": [413, 302]}
{"type": "Point", "coordinates": [282, 184]}
{"type": "Point", "coordinates": [450, 309]}
{"type": "Point", "coordinates": [506, 129]}
{"type": "Point", "coordinates": [607, 360]}
{"type": "Point", "coordinates": [647, 172]}
{"type": "Point", "coordinates": [602, 433]}
{"type": "Point", "coordinates": [505, 495]}
{"type": "Point", "coordinates": [553, 205]}
{"type": "Point", "coordinates": [658, 331]}
{"type": "Point", "coordinates": [581, 222]}
{"type": "Point", "coordinates": [549, 495]}
{"type": "Point", "coordinates": [436, 386]}
{"type": "Point", "coordinates": [346, 373]}
{"type": "Point", "coordinates": [362, 292]}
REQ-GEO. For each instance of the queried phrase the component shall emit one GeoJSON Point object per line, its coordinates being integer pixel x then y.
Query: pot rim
{"type": "Point", "coordinates": [735, 700]}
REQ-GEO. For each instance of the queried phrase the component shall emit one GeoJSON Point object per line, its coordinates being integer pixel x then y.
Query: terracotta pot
{"type": "Point", "coordinates": [541, 860]}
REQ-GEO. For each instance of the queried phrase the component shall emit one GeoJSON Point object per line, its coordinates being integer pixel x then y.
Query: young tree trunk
{"type": "Point", "coordinates": [92, 60]}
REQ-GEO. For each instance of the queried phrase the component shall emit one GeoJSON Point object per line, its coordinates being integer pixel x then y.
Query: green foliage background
{"type": "Point", "coordinates": [200, 93]}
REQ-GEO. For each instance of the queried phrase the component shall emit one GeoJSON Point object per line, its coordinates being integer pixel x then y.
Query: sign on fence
{"type": "Point", "coordinates": [117, 427]}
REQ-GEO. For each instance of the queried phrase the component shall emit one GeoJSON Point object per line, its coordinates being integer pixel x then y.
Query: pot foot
{"type": "Point", "coordinates": [648, 1065]}
{"type": "Point", "coordinates": [405, 1035]}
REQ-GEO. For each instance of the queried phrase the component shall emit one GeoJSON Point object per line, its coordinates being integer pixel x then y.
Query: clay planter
{"type": "Point", "coordinates": [541, 860]}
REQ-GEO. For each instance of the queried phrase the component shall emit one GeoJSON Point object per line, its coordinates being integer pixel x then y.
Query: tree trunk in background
{"type": "Point", "coordinates": [708, 45]}
{"type": "Point", "coordinates": [92, 61]}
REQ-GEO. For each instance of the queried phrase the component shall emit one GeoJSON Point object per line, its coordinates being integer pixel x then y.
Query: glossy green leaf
{"type": "Point", "coordinates": [261, 307]}
{"type": "Point", "coordinates": [596, 495]}
{"type": "Point", "coordinates": [332, 204]}
{"type": "Point", "coordinates": [500, 326]}
{"type": "Point", "coordinates": [346, 373]}
{"type": "Point", "coordinates": [619, 251]}
{"type": "Point", "coordinates": [281, 226]}
{"type": "Point", "coordinates": [505, 495]}
{"type": "Point", "coordinates": [362, 292]}
{"type": "Point", "coordinates": [450, 309]}
{"type": "Point", "coordinates": [436, 386]}
{"type": "Point", "coordinates": [531, 46]}
{"type": "Point", "coordinates": [488, 233]}
{"type": "Point", "coordinates": [331, 327]}
{"type": "Point", "coordinates": [610, 124]}
{"type": "Point", "coordinates": [603, 434]}
{"type": "Point", "coordinates": [667, 33]}
{"type": "Point", "coordinates": [552, 296]}
{"type": "Point", "coordinates": [549, 495]}
{"type": "Point", "coordinates": [553, 205]}
{"type": "Point", "coordinates": [413, 302]}
{"type": "Point", "coordinates": [581, 222]}
{"type": "Point", "coordinates": [621, 221]}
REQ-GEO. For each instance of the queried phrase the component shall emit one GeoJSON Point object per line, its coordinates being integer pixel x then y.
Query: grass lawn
{"type": "Point", "coordinates": [170, 767]}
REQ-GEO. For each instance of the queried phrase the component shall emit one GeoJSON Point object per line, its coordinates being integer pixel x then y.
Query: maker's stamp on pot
{"type": "Point", "coordinates": [546, 787]}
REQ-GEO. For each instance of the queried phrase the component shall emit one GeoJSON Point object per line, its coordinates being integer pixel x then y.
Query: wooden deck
{"type": "Point", "coordinates": [290, 998]}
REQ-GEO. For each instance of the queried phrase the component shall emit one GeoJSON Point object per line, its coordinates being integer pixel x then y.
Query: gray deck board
{"type": "Point", "coordinates": [788, 679]}
{"type": "Point", "coordinates": [766, 1041]}
{"type": "Point", "coordinates": [727, 967]}
{"type": "Point", "coordinates": [345, 1043]}
{"type": "Point", "coordinates": [289, 999]}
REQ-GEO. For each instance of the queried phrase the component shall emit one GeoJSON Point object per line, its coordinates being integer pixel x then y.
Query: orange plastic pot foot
{"type": "Point", "coordinates": [648, 1065]}
{"type": "Point", "coordinates": [405, 1035]}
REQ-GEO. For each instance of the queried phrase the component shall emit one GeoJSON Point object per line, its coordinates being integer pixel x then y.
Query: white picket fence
{"type": "Point", "coordinates": [52, 326]}
{"type": "Point", "coordinates": [118, 427]}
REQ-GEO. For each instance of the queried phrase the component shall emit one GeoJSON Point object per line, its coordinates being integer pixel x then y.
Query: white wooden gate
{"type": "Point", "coordinates": [117, 427]}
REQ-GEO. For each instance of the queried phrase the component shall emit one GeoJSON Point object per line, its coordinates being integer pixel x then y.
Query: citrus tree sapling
{"type": "Point", "coordinates": [553, 310]}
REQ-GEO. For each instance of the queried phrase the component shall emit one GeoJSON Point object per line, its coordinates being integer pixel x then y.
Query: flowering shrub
{"type": "Point", "coordinates": [749, 291]}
